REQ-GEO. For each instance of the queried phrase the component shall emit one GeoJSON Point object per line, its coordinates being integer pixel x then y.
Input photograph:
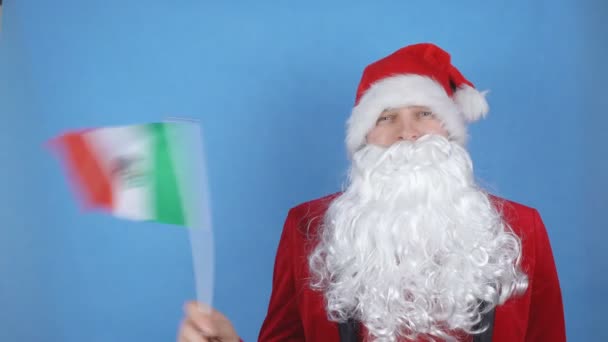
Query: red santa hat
{"type": "Point", "coordinates": [416, 75]}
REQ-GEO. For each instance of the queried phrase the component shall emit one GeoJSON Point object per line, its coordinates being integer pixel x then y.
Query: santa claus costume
{"type": "Point", "coordinates": [413, 249]}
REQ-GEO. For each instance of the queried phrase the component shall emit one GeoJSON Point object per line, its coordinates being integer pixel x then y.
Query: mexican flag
{"type": "Point", "coordinates": [148, 172]}
{"type": "Point", "coordinates": [136, 172]}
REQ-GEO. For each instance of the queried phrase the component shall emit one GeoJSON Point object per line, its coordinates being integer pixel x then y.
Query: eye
{"type": "Point", "coordinates": [386, 118]}
{"type": "Point", "coordinates": [425, 114]}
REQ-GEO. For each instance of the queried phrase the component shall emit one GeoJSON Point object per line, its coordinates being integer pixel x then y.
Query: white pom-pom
{"type": "Point", "coordinates": [471, 102]}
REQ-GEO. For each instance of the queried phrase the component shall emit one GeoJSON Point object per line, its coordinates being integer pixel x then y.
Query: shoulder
{"type": "Point", "coordinates": [509, 204]}
{"type": "Point", "coordinates": [313, 207]}
{"type": "Point", "coordinates": [523, 219]}
{"type": "Point", "coordinates": [307, 216]}
{"type": "Point", "coordinates": [527, 224]}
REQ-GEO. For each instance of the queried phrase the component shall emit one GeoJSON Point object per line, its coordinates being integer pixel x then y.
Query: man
{"type": "Point", "coordinates": [413, 249]}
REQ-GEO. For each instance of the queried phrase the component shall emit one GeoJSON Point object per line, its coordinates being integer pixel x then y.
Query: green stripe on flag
{"type": "Point", "coordinates": [167, 200]}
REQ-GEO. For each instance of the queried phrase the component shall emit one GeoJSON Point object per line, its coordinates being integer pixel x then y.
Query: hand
{"type": "Point", "coordinates": [204, 324]}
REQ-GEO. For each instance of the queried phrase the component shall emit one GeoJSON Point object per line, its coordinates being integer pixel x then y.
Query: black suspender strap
{"type": "Point", "coordinates": [349, 331]}
{"type": "Point", "coordinates": [487, 320]}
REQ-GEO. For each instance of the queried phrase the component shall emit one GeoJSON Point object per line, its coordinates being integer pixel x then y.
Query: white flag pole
{"type": "Point", "coordinates": [198, 208]}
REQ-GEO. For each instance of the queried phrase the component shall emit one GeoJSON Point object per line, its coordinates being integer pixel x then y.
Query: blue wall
{"type": "Point", "coordinates": [273, 84]}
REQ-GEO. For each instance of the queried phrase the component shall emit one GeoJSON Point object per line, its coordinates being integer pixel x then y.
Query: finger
{"type": "Point", "coordinates": [203, 307]}
{"type": "Point", "coordinates": [183, 334]}
{"type": "Point", "coordinates": [201, 320]}
{"type": "Point", "coordinates": [190, 333]}
{"type": "Point", "coordinates": [180, 332]}
{"type": "Point", "coordinates": [198, 307]}
{"type": "Point", "coordinates": [210, 321]}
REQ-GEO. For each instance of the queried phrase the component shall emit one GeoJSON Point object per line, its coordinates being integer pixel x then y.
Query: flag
{"type": "Point", "coordinates": [135, 172]}
{"type": "Point", "coordinates": [150, 172]}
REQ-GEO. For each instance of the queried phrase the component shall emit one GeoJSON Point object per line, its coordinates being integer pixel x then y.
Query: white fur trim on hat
{"type": "Point", "coordinates": [400, 91]}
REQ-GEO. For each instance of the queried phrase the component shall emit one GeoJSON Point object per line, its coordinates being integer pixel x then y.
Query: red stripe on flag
{"type": "Point", "coordinates": [86, 170]}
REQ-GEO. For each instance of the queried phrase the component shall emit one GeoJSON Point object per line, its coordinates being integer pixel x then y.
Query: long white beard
{"type": "Point", "coordinates": [413, 245]}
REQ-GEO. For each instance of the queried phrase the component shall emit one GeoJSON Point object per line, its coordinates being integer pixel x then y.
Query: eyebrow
{"type": "Point", "coordinates": [424, 108]}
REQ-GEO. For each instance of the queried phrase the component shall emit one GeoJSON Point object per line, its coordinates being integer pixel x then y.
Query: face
{"type": "Point", "coordinates": [405, 123]}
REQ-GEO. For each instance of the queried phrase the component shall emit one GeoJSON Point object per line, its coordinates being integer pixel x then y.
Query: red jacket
{"type": "Point", "coordinates": [297, 313]}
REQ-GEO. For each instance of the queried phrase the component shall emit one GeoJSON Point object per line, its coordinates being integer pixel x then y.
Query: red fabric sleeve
{"type": "Point", "coordinates": [546, 320]}
{"type": "Point", "coordinates": [283, 321]}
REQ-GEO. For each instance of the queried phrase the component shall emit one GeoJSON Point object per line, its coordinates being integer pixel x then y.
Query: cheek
{"type": "Point", "coordinates": [435, 127]}
{"type": "Point", "coordinates": [380, 135]}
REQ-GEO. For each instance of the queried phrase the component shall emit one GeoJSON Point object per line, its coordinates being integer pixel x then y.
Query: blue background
{"type": "Point", "coordinates": [273, 83]}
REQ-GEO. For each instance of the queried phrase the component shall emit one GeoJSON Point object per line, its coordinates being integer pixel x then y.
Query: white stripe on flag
{"type": "Point", "coordinates": [126, 154]}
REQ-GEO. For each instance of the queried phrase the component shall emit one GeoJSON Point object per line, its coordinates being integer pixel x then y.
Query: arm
{"type": "Point", "coordinates": [283, 318]}
{"type": "Point", "coordinates": [546, 320]}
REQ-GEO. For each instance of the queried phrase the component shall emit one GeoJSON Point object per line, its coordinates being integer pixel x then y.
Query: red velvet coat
{"type": "Point", "coordinates": [297, 313]}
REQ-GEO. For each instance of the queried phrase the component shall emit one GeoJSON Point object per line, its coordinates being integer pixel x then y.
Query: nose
{"type": "Point", "coordinates": [408, 131]}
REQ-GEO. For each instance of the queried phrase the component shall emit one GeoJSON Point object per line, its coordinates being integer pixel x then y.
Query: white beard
{"type": "Point", "coordinates": [413, 244]}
